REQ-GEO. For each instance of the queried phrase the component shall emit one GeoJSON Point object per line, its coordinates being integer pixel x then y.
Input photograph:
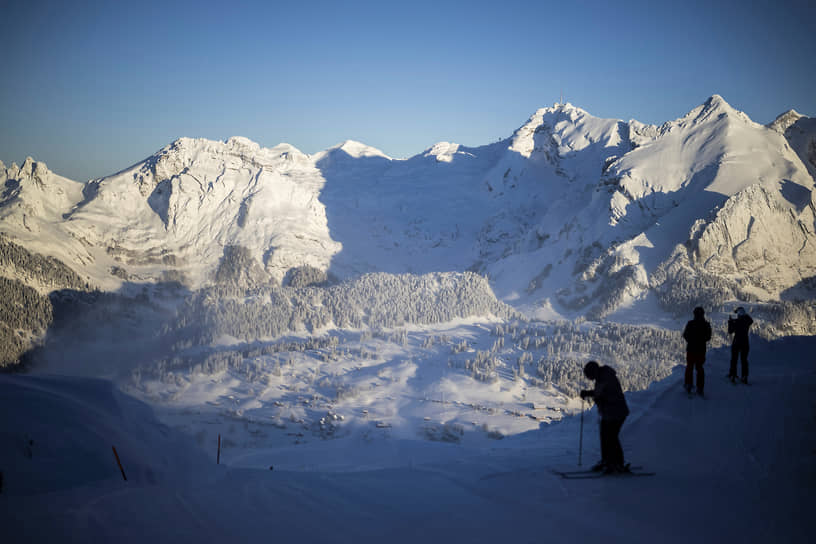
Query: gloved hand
{"type": "Point", "coordinates": [587, 393]}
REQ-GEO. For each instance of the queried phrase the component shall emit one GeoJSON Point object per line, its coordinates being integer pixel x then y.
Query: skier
{"type": "Point", "coordinates": [613, 410]}
{"type": "Point", "coordinates": [739, 348]}
{"type": "Point", "coordinates": [696, 334]}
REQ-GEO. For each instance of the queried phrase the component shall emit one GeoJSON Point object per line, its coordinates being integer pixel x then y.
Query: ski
{"type": "Point", "coordinates": [590, 471]}
{"type": "Point", "coordinates": [596, 475]}
{"type": "Point", "coordinates": [614, 475]}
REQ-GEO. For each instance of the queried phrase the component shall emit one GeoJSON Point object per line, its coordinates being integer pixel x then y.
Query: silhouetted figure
{"type": "Point", "coordinates": [613, 410]}
{"type": "Point", "coordinates": [739, 348]}
{"type": "Point", "coordinates": [697, 333]}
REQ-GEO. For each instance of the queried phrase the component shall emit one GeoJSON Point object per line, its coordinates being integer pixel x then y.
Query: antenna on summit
{"type": "Point", "coordinates": [562, 97]}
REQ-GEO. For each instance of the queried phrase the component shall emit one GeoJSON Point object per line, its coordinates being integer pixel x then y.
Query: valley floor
{"type": "Point", "coordinates": [736, 466]}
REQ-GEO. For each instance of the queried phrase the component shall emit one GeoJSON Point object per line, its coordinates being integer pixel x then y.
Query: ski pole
{"type": "Point", "coordinates": [581, 434]}
{"type": "Point", "coordinates": [118, 462]}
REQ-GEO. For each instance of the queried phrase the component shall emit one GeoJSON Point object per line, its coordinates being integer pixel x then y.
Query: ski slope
{"type": "Point", "coordinates": [736, 466]}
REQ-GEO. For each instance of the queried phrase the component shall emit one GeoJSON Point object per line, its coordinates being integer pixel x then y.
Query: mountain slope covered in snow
{"type": "Point", "coordinates": [569, 210]}
{"type": "Point", "coordinates": [570, 216]}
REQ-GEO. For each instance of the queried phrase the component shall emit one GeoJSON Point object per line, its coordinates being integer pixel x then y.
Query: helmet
{"type": "Point", "coordinates": [740, 311]}
{"type": "Point", "coordinates": [699, 312]}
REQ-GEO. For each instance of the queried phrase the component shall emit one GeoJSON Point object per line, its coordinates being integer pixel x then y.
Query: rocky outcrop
{"type": "Point", "coordinates": [760, 241]}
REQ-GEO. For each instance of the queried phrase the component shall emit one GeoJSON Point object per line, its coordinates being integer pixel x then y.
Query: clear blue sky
{"type": "Point", "coordinates": [93, 87]}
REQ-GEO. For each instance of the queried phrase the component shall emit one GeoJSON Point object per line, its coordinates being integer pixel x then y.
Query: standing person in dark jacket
{"type": "Point", "coordinates": [697, 333]}
{"type": "Point", "coordinates": [739, 348]}
{"type": "Point", "coordinates": [613, 410]}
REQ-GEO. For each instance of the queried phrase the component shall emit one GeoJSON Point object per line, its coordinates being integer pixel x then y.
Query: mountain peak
{"type": "Point", "coordinates": [289, 152]}
{"type": "Point", "coordinates": [714, 108]}
{"type": "Point", "coordinates": [784, 121]}
{"type": "Point", "coordinates": [567, 127]}
{"type": "Point", "coordinates": [563, 108]}
{"type": "Point", "coordinates": [184, 151]}
{"type": "Point", "coordinates": [444, 151]}
{"type": "Point", "coordinates": [716, 101]}
{"type": "Point", "coordinates": [357, 149]}
{"type": "Point", "coordinates": [240, 142]}
{"type": "Point", "coordinates": [716, 104]}
{"type": "Point", "coordinates": [30, 170]}
{"type": "Point", "coordinates": [234, 143]}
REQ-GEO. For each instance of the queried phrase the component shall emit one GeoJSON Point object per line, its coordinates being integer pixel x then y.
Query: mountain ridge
{"type": "Point", "coordinates": [544, 213]}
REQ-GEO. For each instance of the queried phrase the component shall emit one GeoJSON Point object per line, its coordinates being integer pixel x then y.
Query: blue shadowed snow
{"type": "Point", "coordinates": [736, 466]}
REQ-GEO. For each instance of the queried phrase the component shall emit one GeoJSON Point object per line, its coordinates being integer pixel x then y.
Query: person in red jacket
{"type": "Point", "coordinates": [697, 333]}
{"type": "Point", "coordinates": [608, 395]}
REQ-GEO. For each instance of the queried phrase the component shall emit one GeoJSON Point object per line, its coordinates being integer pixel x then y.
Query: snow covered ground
{"type": "Point", "coordinates": [737, 466]}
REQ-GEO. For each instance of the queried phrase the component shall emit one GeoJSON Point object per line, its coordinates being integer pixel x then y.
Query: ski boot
{"type": "Point", "coordinates": [615, 469]}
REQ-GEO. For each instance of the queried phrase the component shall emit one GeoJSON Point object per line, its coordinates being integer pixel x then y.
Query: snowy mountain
{"type": "Point", "coordinates": [570, 216]}
{"type": "Point", "coordinates": [798, 130]}
{"type": "Point", "coordinates": [572, 212]}
{"type": "Point", "coordinates": [182, 207]}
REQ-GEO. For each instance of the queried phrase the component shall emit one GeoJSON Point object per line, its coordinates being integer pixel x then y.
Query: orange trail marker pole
{"type": "Point", "coordinates": [118, 462]}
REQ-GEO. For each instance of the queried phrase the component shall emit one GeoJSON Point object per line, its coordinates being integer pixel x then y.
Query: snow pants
{"type": "Point", "coordinates": [695, 361]}
{"type": "Point", "coordinates": [739, 351]}
{"type": "Point", "coordinates": [611, 450]}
